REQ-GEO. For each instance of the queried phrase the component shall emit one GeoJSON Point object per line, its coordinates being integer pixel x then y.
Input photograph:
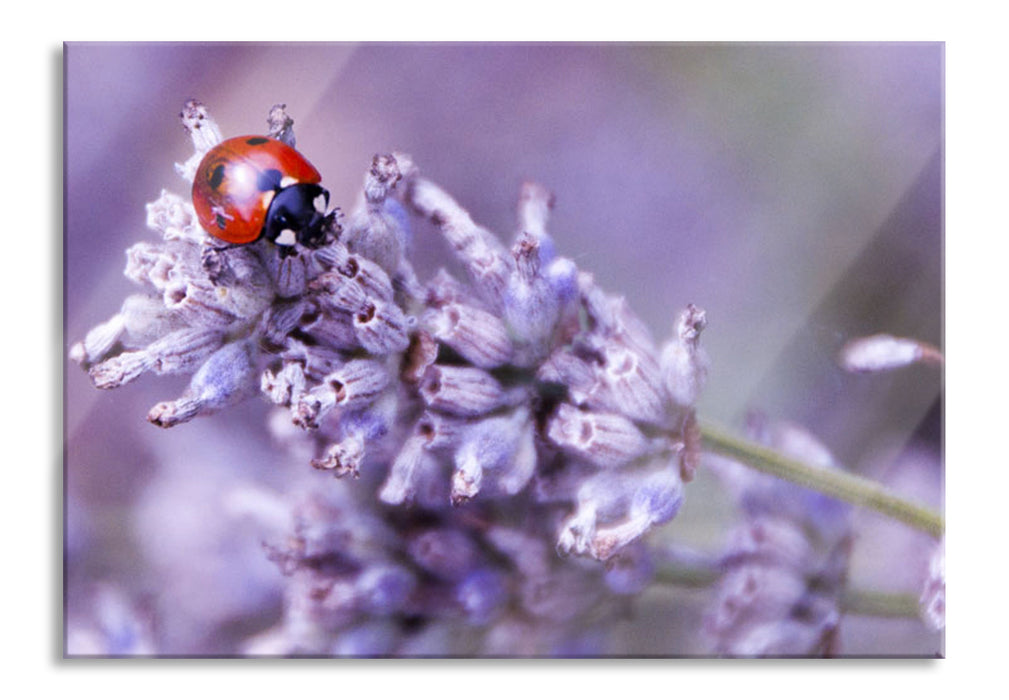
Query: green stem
{"type": "Point", "coordinates": [868, 603]}
{"type": "Point", "coordinates": [842, 485]}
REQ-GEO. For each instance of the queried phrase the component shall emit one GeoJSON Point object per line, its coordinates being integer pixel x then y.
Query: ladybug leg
{"type": "Point", "coordinates": [215, 263]}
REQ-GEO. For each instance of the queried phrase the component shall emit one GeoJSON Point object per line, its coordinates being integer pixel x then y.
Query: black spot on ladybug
{"type": "Point", "coordinates": [217, 176]}
{"type": "Point", "coordinates": [269, 180]}
{"type": "Point", "coordinates": [221, 222]}
{"type": "Point", "coordinates": [257, 140]}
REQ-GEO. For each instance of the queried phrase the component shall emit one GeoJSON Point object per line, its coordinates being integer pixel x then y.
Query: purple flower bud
{"type": "Point", "coordinates": [474, 246]}
{"type": "Point", "coordinates": [331, 331]}
{"type": "Point", "coordinates": [355, 384]}
{"type": "Point", "coordinates": [615, 509]}
{"type": "Point", "coordinates": [607, 440]}
{"type": "Point", "coordinates": [480, 337]}
{"type": "Point", "coordinates": [181, 351]}
{"type": "Point", "coordinates": [226, 378]}
{"type": "Point", "coordinates": [446, 553]}
{"type": "Point", "coordinates": [280, 125]}
{"type": "Point", "coordinates": [381, 328]}
{"type": "Point", "coordinates": [375, 231]}
{"type": "Point", "coordinates": [343, 458]}
{"type": "Point", "coordinates": [384, 589]}
{"type": "Point", "coordinates": [482, 595]}
{"type": "Point", "coordinates": [684, 362]}
{"type": "Point", "coordinates": [490, 446]}
{"type": "Point", "coordinates": [628, 383]}
{"type": "Point", "coordinates": [99, 341]}
{"type": "Point", "coordinates": [373, 638]}
{"type": "Point", "coordinates": [461, 391]}
{"type": "Point", "coordinates": [881, 353]}
{"type": "Point", "coordinates": [368, 276]}
{"type": "Point", "coordinates": [562, 276]}
{"type": "Point", "coordinates": [532, 306]}
{"type": "Point", "coordinates": [336, 292]}
{"type": "Point", "coordinates": [175, 218]}
{"type": "Point", "coordinates": [282, 318]}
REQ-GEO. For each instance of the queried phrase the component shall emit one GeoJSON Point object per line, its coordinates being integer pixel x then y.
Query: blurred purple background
{"type": "Point", "coordinates": [793, 191]}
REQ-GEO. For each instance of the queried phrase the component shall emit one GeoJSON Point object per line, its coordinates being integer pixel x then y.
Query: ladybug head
{"type": "Point", "coordinates": [297, 214]}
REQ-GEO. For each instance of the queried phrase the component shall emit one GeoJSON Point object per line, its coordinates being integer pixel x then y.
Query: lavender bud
{"type": "Point", "coordinates": [333, 330]}
{"type": "Point", "coordinates": [98, 341]}
{"type": "Point", "coordinates": [175, 218]}
{"type": "Point", "coordinates": [336, 292]}
{"type": "Point", "coordinates": [226, 378]}
{"type": "Point", "coordinates": [344, 457]}
{"type": "Point", "coordinates": [560, 595]}
{"type": "Point", "coordinates": [628, 383]}
{"type": "Point", "coordinates": [614, 509]}
{"type": "Point", "coordinates": [488, 445]}
{"type": "Point", "coordinates": [150, 264]}
{"type": "Point", "coordinates": [446, 553]}
{"type": "Point", "coordinates": [482, 595]}
{"type": "Point", "coordinates": [656, 499]}
{"type": "Point", "coordinates": [754, 593]}
{"type": "Point", "coordinates": [369, 276]}
{"type": "Point", "coordinates": [531, 305]}
{"type": "Point", "coordinates": [280, 319]}
{"type": "Point", "coordinates": [290, 273]}
{"type": "Point", "coordinates": [202, 128]}
{"type": "Point", "coordinates": [384, 589]}
{"type": "Point", "coordinates": [280, 126]}
{"type": "Point", "coordinates": [316, 359]}
{"type": "Point", "coordinates": [480, 337]}
{"type": "Point", "coordinates": [529, 554]}
{"type": "Point", "coordinates": [180, 351]}
{"type": "Point", "coordinates": [515, 474]}
{"type": "Point", "coordinates": [474, 246]}
{"type": "Point", "coordinates": [880, 353]}
{"type": "Point", "coordinates": [382, 328]}
{"type": "Point", "coordinates": [414, 474]}
{"type": "Point", "coordinates": [205, 135]}
{"type": "Point", "coordinates": [605, 439]}
{"type": "Point", "coordinates": [376, 230]}
{"type": "Point", "coordinates": [375, 638]}
{"type": "Point", "coordinates": [355, 384]}
{"type": "Point", "coordinates": [684, 362]}
{"type": "Point", "coordinates": [146, 319]}
{"type": "Point", "coordinates": [461, 391]}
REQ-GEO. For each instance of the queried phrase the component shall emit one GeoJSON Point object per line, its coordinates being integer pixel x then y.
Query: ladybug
{"type": "Point", "coordinates": [252, 187]}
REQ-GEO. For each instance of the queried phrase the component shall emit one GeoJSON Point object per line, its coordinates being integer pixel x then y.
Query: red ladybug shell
{"type": "Point", "coordinates": [236, 182]}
